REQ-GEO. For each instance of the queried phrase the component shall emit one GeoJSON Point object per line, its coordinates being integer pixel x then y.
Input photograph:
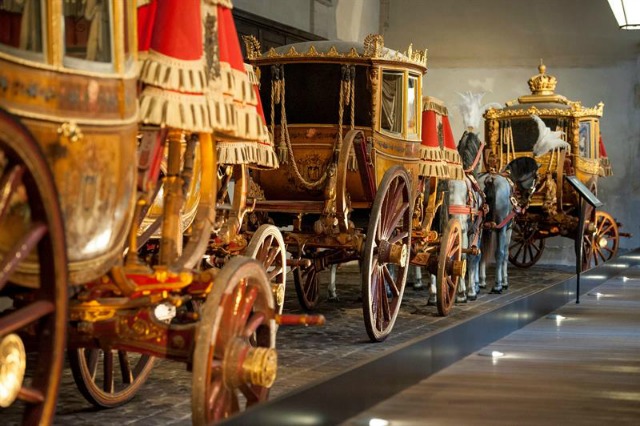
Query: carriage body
{"type": "Point", "coordinates": [83, 113]}
{"type": "Point", "coordinates": [82, 144]}
{"type": "Point", "coordinates": [554, 208]}
{"type": "Point", "coordinates": [357, 178]}
{"type": "Point", "coordinates": [313, 74]}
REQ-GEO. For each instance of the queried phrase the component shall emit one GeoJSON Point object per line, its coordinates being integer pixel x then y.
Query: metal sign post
{"type": "Point", "coordinates": [585, 197]}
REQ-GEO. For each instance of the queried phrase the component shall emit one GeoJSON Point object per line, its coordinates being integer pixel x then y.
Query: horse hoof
{"type": "Point", "coordinates": [333, 299]}
{"type": "Point", "coordinates": [472, 298]}
{"type": "Point", "coordinates": [482, 286]}
{"type": "Point", "coordinates": [461, 299]}
{"type": "Point", "coordinates": [431, 301]}
{"type": "Point", "coordinates": [496, 291]}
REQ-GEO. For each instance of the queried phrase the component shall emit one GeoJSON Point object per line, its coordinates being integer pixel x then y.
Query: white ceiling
{"type": "Point", "coordinates": [509, 33]}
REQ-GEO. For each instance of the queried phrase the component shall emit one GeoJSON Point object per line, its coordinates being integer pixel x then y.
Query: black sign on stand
{"type": "Point", "coordinates": [584, 196]}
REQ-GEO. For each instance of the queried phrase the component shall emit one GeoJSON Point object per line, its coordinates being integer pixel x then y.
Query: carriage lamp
{"type": "Point", "coordinates": [627, 13]}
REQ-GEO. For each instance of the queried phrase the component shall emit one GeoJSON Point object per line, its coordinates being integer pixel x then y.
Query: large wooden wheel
{"type": "Point", "coordinates": [451, 267]}
{"type": "Point", "coordinates": [600, 239]}
{"type": "Point", "coordinates": [234, 360]}
{"type": "Point", "coordinates": [526, 247]}
{"type": "Point", "coordinates": [267, 247]}
{"type": "Point", "coordinates": [386, 254]}
{"type": "Point", "coordinates": [307, 283]}
{"type": "Point", "coordinates": [31, 225]}
{"type": "Point", "coordinates": [109, 378]}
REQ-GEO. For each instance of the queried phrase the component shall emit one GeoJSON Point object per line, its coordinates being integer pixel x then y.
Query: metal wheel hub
{"type": "Point", "coordinates": [397, 253]}
{"type": "Point", "coordinates": [459, 267]}
{"type": "Point", "coordinates": [244, 363]}
{"type": "Point", "coordinates": [13, 362]}
{"type": "Point", "coordinates": [278, 293]}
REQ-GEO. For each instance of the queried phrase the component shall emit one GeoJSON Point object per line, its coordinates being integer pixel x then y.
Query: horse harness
{"type": "Point", "coordinates": [474, 192]}
{"type": "Point", "coordinates": [517, 208]}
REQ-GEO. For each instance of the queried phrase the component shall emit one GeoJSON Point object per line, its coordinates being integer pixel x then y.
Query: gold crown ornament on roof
{"type": "Point", "coordinates": [542, 84]}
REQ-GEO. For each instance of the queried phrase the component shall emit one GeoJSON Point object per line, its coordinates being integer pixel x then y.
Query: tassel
{"type": "Point", "coordinates": [283, 153]}
{"type": "Point", "coordinates": [352, 164]}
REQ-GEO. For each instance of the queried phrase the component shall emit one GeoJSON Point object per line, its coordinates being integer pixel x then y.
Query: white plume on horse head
{"type": "Point", "coordinates": [471, 109]}
{"type": "Point", "coordinates": [547, 139]}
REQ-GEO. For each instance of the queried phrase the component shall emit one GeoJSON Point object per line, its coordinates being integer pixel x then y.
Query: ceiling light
{"type": "Point", "coordinates": [378, 422]}
{"type": "Point", "coordinates": [627, 13]}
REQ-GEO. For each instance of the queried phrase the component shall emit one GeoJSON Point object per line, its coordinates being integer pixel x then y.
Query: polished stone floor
{"type": "Point", "coordinates": [579, 366]}
{"type": "Point", "coordinates": [306, 355]}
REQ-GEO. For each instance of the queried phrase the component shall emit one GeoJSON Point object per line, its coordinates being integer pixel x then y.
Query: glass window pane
{"type": "Point", "coordinates": [412, 105]}
{"type": "Point", "coordinates": [392, 100]}
{"type": "Point", "coordinates": [87, 26]}
{"type": "Point", "coordinates": [584, 144]}
{"type": "Point", "coordinates": [21, 24]}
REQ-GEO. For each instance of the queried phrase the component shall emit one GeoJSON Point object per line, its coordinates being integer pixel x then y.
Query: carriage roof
{"type": "Point", "coordinates": [543, 101]}
{"type": "Point", "coordinates": [371, 51]}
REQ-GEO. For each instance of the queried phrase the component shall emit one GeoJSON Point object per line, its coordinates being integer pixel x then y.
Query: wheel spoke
{"type": "Point", "coordinates": [107, 367]}
{"type": "Point", "coordinates": [398, 236]}
{"type": "Point", "coordinates": [243, 309]}
{"type": "Point", "coordinates": [390, 281]}
{"type": "Point", "coordinates": [26, 315]}
{"type": "Point", "coordinates": [92, 361]}
{"type": "Point", "coordinates": [384, 301]}
{"type": "Point", "coordinates": [252, 393]}
{"type": "Point", "coordinates": [125, 368]}
{"type": "Point", "coordinates": [393, 222]}
{"type": "Point", "coordinates": [252, 325]}
{"type": "Point", "coordinates": [20, 250]}
{"type": "Point", "coordinates": [8, 185]}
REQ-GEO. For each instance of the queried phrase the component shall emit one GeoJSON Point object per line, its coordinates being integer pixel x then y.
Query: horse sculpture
{"type": "Point", "coordinates": [507, 193]}
{"type": "Point", "coordinates": [465, 198]}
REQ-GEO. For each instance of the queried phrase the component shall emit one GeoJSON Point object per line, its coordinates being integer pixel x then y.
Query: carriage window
{"type": "Point", "coordinates": [87, 27]}
{"type": "Point", "coordinates": [412, 106]}
{"type": "Point", "coordinates": [584, 144]}
{"type": "Point", "coordinates": [21, 25]}
{"type": "Point", "coordinates": [313, 95]}
{"type": "Point", "coordinates": [525, 132]}
{"type": "Point", "coordinates": [392, 99]}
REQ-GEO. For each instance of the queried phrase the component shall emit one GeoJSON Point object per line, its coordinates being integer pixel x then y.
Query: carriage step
{"type": "Point", "coordinates": [300, 319]}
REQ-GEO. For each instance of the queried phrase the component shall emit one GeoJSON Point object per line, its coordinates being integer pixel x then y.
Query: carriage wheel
{"type": "Point", "coordinates": [600, 240]}
{"type": "Point", "coordinates": [234, 359]}
{"type": "Point", "coordinates": [307, 284]}
{"type": "Point", "coordinates": [28, 192]}
{"type": "Point", "coordinates": [525, 248]}
{"type": "Point", "coordinates": [386, 254]}
{"type": "Point", "coordinates": [114, 383]}
{"type": "Point", "coordinates": [267, 247]}
{"type": "Point", "coordinates": [451, 267]}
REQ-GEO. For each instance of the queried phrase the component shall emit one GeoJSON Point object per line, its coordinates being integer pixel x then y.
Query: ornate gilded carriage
{"type": "Point", "coordinates": [347, 120]}
{"type": "Point", "coordinates": [554, 208]}
{"type": "Point", "coordinates": [90, 141]}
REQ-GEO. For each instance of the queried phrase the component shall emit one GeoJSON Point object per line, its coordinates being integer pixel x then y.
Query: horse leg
{"type": "Point", "coordinates": [505, 274]}
{"type": "Point", "coordinates": [333, 296]}
{"type": "Point", "coordinates": [472, 290]}
{"type": "Point", "coordinates": [484, 258]}
{"type": "Point", "coordinates": [418, 285]}
{"type": "Point", "coordinates": [501, 249]}
{"type": "Point", "coordinates": [432, 292]}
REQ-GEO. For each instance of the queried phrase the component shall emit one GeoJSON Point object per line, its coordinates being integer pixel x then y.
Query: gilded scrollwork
{"type": "Point", "coordinates": [373, 48]}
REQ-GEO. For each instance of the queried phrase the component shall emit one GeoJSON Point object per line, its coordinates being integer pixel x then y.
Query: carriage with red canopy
{"type": "Point", "coordinates": [117, 121]}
